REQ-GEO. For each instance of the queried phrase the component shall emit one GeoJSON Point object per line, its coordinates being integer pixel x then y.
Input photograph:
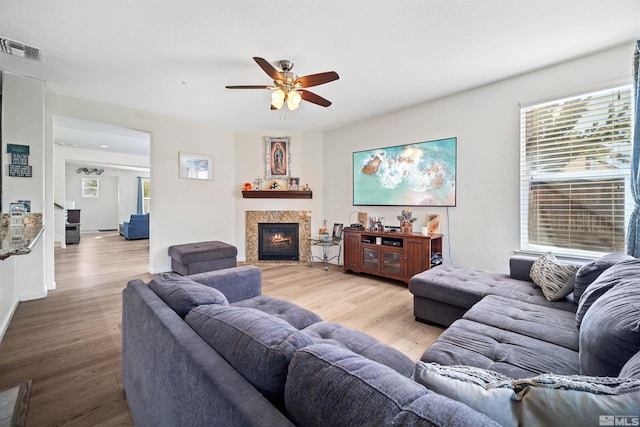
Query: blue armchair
{"type": "Point", "coordinates": [136, 228]}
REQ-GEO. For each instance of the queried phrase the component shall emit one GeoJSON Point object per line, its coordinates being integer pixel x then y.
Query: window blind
{"type": "Point", "coordinates": [575, 166]}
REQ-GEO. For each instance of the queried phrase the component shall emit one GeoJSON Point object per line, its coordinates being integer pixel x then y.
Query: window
{"type": "Point", "coordinates": [575, 173]}
{"type": "Point", "coordinates": [146, 195]}
{"type": "Point", "coordinates": [90, 187]}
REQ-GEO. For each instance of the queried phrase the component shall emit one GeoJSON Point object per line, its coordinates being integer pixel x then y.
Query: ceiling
{"type": "Point", "coordinates": [88, 135]}
{"type": "Point", "coordinates": [175, 57]}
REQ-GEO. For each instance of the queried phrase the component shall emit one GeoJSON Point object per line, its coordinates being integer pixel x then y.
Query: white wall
{"type": "Point", "coordinates": [23, 277]}
{"type": "Point", "coordinates": [306, 162]}
{"type": "Point", "coordinates": [483, 229]}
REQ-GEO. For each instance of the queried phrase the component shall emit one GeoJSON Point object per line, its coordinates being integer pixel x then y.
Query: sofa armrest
{"type": "Point", "coordinates": [236, 283]}
{"type": "Point", "coordinates": [520, 266]}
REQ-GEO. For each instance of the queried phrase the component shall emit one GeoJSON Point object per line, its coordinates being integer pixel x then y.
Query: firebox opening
{"type": "Point", "coordinates": [278, 241]}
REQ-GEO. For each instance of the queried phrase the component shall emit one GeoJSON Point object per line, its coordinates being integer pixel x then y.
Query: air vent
{"type": "Point", "coordinates": [22, 50]}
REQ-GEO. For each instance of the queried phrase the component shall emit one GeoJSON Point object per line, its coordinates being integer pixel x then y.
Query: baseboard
{"type": "Point", "coordinates": [5, 322]}
{"type": "Point", "coordinates": [154, 270]}
{"type": "Point", "coordinates": [35, 295]}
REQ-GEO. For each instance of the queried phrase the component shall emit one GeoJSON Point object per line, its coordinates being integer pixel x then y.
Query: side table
{"type": "Point", "coordinates": [326, 245]}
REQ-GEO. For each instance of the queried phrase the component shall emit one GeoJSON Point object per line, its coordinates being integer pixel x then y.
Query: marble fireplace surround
{"type": "Point", "coordinates": [253, 218]}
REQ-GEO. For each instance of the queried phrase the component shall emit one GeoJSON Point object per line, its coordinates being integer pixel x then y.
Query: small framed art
{"type": "Point", "coordinates": [294, 184]}
{"type": "Point", "coordinates": [337, 231]}
{"type": "Point", "coordinates": [195, 166]}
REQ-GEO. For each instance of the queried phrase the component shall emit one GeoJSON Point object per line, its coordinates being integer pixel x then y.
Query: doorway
{"type": "Point", "coordinates": [106, 160]}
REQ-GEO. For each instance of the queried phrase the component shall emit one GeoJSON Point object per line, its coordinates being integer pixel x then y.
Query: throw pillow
{"type": "Point", "coordinates": [182, 294]}
{"type": "Point", "coordinates": [591, 271]}
{"type": "Point", "coordinates": [544, 400]}
{"type": "Point", "coordinates": [553, 277]}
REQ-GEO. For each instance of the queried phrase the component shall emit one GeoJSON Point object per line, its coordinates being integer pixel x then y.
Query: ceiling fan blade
{"type": "Point", "coordinates": [317, 79]}
{"type": "Point", "coordinates": [268, 68]}
{"type": "Point", "coordinates": [312, 97]}
{"type": "Point", "coordinates": [249, 87]}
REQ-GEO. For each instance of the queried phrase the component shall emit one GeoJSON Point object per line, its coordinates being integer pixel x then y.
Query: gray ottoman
{"type": "Point", "coordinates": [193, 258]}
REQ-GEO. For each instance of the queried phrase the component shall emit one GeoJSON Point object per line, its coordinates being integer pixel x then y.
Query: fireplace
{"type": "Point", "coordinates": [253, 218]}
{"type": "Point", "coordinates": [278, 241]}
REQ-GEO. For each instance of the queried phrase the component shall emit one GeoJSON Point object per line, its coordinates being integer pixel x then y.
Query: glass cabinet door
{"type": "Point", "coordinates": [371, 258]}
{"type": "Point", "coordinates": [391, 262]}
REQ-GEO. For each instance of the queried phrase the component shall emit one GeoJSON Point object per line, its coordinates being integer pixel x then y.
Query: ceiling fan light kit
{"type": "Point", "coordinates": [290, 88]}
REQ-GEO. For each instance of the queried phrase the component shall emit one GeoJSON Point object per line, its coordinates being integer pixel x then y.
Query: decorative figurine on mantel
{"type": "Point", "coordinates": [406, 221]}
{"type": "Point", "coordinates": [257, 184]}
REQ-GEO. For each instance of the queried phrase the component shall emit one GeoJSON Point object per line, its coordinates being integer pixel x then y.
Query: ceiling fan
{"type": "Point", "coordinates": [288, 87]}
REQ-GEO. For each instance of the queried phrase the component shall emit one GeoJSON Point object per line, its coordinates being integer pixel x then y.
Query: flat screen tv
{"type": "Point", "coordinates": [420, 174]}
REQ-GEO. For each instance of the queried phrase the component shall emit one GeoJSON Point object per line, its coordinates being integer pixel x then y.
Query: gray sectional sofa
{"type": "Point", "coordinates": [525, 360]}
{"type": "Point", "coordinates": [209, 349]}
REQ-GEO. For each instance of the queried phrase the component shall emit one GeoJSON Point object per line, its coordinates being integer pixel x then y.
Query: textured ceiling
{"type": "Point", "coordinates": [175, 57]}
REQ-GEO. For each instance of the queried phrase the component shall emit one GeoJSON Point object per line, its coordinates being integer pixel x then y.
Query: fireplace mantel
{"type": "Point", "coordinates": [277, 194]}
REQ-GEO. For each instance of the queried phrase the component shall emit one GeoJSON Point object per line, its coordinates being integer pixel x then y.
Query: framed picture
{"type": "Point", "coordinates": [337, 231]}
{"type": "Point", "coordinates": [195, 166]}
{"type": "Point", "coordinates": [90, 187]}
{"type": "Point", "coordinates": [419, 174]}
{"type": "Point", "coordinates": [277, 157]}
{"type": "Point", "coordinates": [362, 218]}
{"type": "Point", "coordinates": [433, 223]}
{"type": "Point", "coordinates": [294, 184]}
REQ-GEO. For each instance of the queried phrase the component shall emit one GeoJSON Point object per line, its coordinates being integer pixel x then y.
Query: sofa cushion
{"type": "Point", "coordinates": [544, 400]}
{"type": "Point", "coordinates": [617, 273]}
{"type": "Point", "coordinates": [464, 287]}
{"type": "Point", "coordinates": [553, 277]}
{"type": "Point", "coordinates": [296, 316]}
{"type": "Point", "coordinates": [183, 294]}
{"type": "Point", "coordinates": [256, 344]}
{"type": "Point", "coordinates": [331, 386]}
{"type": "Point", "coordinates": [610, 331]}
{"type": "Point", "coordinates": [360, 343]}
{"type": "Point", "coordinates": [535, 321]}
{"type": "Point", "coordinates": [591, 271]}
{"type": "Point", "coordinates": [631, 369]}
{"type": "Point", "coordinates": [466, 342]}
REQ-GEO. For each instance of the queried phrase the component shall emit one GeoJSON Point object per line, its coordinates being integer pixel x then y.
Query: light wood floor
{"type": "Point", "coordinates": [69, 343]}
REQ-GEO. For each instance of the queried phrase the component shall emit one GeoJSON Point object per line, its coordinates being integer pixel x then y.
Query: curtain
{"type": "Point", "coordinates": [140, 195]}
{"type": "Point", "coordinates": [633, 237]}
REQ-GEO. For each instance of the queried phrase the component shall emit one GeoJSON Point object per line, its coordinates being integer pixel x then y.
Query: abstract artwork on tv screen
{"type": "Point", "coordinates": [421, 174]}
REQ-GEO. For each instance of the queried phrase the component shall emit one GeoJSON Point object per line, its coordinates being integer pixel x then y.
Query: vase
{"type": "Point", "coordinates": [406, 227]}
